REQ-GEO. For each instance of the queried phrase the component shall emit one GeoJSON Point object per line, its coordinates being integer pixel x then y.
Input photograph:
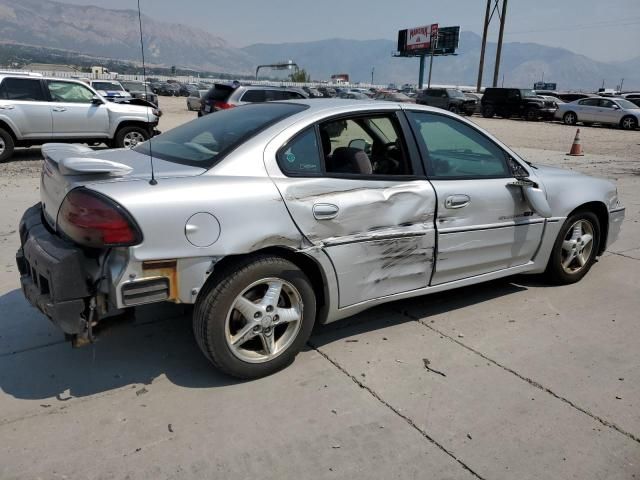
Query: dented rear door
{"type": "Point", "coordinates": [378, 233]}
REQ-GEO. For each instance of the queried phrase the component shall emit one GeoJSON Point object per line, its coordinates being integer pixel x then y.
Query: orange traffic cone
{"type": "Point", "coordinates": [576, 148]}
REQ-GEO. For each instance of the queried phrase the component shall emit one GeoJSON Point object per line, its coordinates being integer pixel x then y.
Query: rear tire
{"type": "Point", "coordinates": [7, 145]}
{"type": "Point", "coordinates": [453, 109]}
{"type": "Point", "coordinates": [570, 118]}
{"type": "Point", "coordinates": [236, 315]}
{"type": "Point", "coordinates": [129, 137]}
{"type": "Point", "coordinates": [488, 111]}
{"type": "Point", "coordinates": [530, 115]}
{"type": "Point", "coordinates": [575, 249]}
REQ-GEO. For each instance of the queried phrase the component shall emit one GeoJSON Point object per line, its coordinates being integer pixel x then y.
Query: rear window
{"type": "Point", "coordinates": [21, 89]}
{"type": "Point", "coordinates": [205, 141]}
{"type": "Point", "coordinates": [219, 93]}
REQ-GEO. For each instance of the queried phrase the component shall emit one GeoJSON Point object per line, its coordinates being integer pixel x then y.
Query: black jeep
{"type": "Point", "coordinates": [516, 102]}
{"type": "Point", "coordinates": [448, 99]}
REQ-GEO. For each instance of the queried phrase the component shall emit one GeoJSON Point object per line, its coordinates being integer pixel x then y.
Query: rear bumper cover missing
{"type": "Point", "coordinates": [53, 274]}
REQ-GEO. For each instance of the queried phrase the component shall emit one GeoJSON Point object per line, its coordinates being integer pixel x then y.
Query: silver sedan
{"type": "Point", "coordinates": [273, 217]}
{"type": "Point", "coordinates": [612, 111]}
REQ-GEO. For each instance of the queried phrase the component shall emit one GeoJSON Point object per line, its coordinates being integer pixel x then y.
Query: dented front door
{"type": "Point", "coordinates": [379, 234]}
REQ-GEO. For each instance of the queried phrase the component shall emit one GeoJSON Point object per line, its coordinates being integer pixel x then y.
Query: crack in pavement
{"type": "Point", "coordinates": [408, 420]}
{"type": "Point", "coordinates": [530, 381]}
{"type": "Point", "coordinates": [623, 255]}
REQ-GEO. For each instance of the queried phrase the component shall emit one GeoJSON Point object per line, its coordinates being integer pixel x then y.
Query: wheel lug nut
{"type": "Point", "coordinates": [269, 308]}
{"type": "Point", "coordinates": [276, 318]}
{"type": "Point", "coordinates": [257, 315]}
{"type": "Point", "coordinates": [256, 328]}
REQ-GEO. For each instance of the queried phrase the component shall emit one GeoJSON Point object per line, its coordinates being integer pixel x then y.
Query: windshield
{"type": "Point", "coordinates": [205, 141]}
{"type": "Point", "coordinates": [107, 86]}
{"type": "Point", "coordinates": [526, 92]}
{"type": "Point", "coordinates": [626, 103]}
{"type": "Point", "coordinates": [455, 93]}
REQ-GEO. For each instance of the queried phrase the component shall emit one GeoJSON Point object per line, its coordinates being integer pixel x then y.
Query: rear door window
{"type": "Point", "coordinates": [301, 156]}
{"type": "Point", "coordinates": [254, 96]}
{"type": "Point", "coordinates": [25, 89]}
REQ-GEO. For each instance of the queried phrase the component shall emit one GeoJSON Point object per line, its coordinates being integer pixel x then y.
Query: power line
{"type": "Point", "coordinates": [598, 25]}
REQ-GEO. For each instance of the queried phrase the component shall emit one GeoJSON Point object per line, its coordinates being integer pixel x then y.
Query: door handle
{"type": "Point", "coordinates": [59, 109]}
{"type": "Point", "coordinates": [325, 211]}
{"type": "Point", "coordinates": [457, 201]}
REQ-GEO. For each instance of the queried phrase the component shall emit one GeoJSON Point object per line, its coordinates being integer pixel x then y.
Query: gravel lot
{"type": "Point", "coordinates": [536, 383]}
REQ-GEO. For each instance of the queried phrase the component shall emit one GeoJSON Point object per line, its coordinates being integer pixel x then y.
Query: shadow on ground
{"type": "Point", "coordinates": [160, 342]}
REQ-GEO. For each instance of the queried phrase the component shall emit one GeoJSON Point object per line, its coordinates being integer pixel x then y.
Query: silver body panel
{"type": "Point", "coordinates": [388, 240]}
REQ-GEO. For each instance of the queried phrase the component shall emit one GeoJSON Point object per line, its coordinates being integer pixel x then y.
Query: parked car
{"type": "Point", "coordinates": [519, 102]}
{"type": "Point", "coordinates": [312, 92]}
{"type": "Point", "coordinates": [477, 97]}
{"type": "Point", "coordinates": [34, 111]}
{"type": "Point", "coordinates": [284, 221]}
{"type": "Point", "coordinates": [612, 111]}
{"type": "Point", "coordinates": [327, 92]}
{"type": "Point", "coordinates": [572, 97]}
{"type": "Point", "coordinates": [448, 99]}
{"type": "Point", "coordinates": [168, 89]}
{"type": "Point", "coordinates": [139, 90]}
{"type": "Point", "coordinates": [110, 89]}
{"type": "Point", "coordinates": [354, 96]}
{"type": "Point", "coordinates": [194, 100]}
{"type": "Point", "coordinates": [394, 97]}
{"type": "Point", "coordinates": [223, 96]}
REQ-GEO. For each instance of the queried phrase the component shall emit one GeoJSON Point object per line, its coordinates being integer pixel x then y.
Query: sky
{"type": "Point", "coordinates": [606, 30]}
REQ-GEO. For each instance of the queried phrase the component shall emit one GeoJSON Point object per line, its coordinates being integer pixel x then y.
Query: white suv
{"type": "Point", "coordinates": [37, 110]}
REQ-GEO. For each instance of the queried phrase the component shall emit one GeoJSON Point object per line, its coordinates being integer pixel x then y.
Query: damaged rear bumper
{"type": "Point", "coordinates": [53, 274]}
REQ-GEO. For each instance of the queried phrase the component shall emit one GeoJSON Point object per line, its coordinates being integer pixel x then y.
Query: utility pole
{"type": "Point", "coordinates": [487, 19]}
{"type": "Point", "coordinates": [373, 69]}
{"type": "Point", "coordinates": [499, 8]}
{"type": "Point", "coordinates": [503, 17]}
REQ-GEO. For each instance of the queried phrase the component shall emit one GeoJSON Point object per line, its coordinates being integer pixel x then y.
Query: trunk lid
{"type": "Point", "coordinates": [67, 167]}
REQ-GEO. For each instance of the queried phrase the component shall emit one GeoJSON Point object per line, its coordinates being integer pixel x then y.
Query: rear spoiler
{"type": "Point", "coordinates": [76, 160]}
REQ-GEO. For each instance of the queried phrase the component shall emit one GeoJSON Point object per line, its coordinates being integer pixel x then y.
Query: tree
{"type": "Point", "coordinates": [300, 76]}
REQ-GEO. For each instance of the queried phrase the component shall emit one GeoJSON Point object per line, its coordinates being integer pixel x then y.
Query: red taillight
{"type": "Point", "coordinates": [95, 221]}
{"type": "Point", "coordinates": [222, 105]}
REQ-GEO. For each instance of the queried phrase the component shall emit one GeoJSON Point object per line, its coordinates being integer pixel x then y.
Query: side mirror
{"type": "Point", "coordinates": [535, 196]}
{"type": "Point", "coordinates": [616, 107]}
{"type": "Point", "coordinates": [96, 100]}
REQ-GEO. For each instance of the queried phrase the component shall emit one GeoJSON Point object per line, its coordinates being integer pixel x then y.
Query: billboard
{"type": "Point", "coordinates": [421, 38]}
{"type": "Point", "coordinates": [545, 86]}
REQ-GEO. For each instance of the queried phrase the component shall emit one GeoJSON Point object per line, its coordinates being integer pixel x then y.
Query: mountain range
{"type": "Point", "coordinates": [115, 34]}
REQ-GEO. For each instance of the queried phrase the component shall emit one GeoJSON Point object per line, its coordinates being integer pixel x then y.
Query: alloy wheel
{"type": "Point", "coordinates": [2, 146]}
{"type": "Point", "coordinates": [577, 247]}
{"type": "Point", "coordinates": [132, 139]}
{"type": "Point", "coordinates": [264, 320]}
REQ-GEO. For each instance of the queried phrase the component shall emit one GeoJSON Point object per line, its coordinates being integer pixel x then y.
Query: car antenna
{"type": "Point", "coordinates": [153, 180]}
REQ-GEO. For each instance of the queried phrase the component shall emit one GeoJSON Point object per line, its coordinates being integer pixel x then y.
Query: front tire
{"type": "Point", "coordinates": [570, 118]}
{"type": "Point", "coordinates": [575, 249]}
{"type": "Point", "coordinates": [629, 123]}
{"type": "Point", "coordinates": [130, 137]}
{"type": "Point", "coordinates": [454, 109]}
{"type": "Point", "coordinates": [530, 115]}
{"type": "Point", "coordinates": [254, 318]}
{"type": "Point", "coordinates": [7, 145]}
